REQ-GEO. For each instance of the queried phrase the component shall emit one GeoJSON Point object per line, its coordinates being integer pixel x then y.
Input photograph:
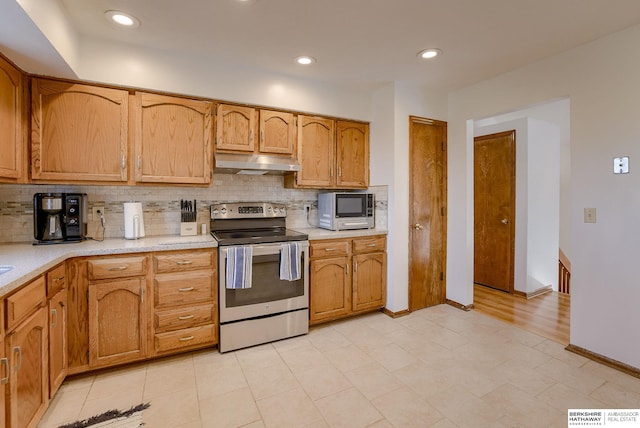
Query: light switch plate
{"type": "Point", "coordinates": [621, 165]}
{"type": "Point", "coordinates": [589, 215]}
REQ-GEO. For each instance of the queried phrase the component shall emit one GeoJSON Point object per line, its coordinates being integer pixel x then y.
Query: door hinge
{"type": "Point", "coordinates": [441, 276]}
{"type": "Point", "coordinates": [442, 211]}
{"type": "Point", "coordinates": [442, 142]}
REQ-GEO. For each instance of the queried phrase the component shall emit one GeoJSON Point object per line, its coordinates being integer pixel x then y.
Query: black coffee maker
{"type": "Point", "coordinates": [59, 217]}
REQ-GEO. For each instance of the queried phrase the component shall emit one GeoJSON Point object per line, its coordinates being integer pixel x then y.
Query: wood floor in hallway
{"type": "Point", "coordinates": [546, 315]}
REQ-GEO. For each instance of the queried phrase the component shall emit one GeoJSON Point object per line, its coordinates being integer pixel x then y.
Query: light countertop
{"type": "Point", "coordinates": [29, 260]}
{"type": "Point", "coordinates": [316, 233]}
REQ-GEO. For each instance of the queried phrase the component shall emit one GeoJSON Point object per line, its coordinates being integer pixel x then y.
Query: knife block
{"type": "Point", "coordinates": [188, 228]}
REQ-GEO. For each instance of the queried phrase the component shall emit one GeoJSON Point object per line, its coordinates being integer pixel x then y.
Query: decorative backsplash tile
{"type": "Point", "coordinates": [161, 205]}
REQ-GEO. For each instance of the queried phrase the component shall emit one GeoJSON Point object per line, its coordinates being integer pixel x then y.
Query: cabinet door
{"type": "Point", "coordinates": [172, 139]}
{"type": "Point", "coordinates": [57, 341]}
{"type": "Point", "coordinates": [277, 132]}
{"type": "Point", "coordinates": [11, 129]}
{"type": "Point", "coordinates": [315, 152]}
{"type": "Point", "coordinates": [28, 384]}
{"type": "Point", "coordinates": [79, 132]}
{"type": "Point", "coordinates": [369, 281]}
{"type": "Point", "coordinates": [330, 290]}
{"type": "Point", "coordinates": [4, 380]}
{"type": "Point", "coordinates": [352, 157]}
{"type": "Point", "coordinates": [235, 128]}
{"type": "Point", "coordinates": [117, 322]}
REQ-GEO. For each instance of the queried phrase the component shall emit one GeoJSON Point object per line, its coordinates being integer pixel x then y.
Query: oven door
{"type": "Point", "coordinates": [268, 295]}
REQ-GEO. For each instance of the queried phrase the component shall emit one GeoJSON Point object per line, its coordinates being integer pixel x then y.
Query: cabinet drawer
{"type": "Point", "coordinates": [328, 248]}
{"type": "Point", "coordinates": [185, 338]}
{"type": "Point", "coordinates": [369, 245]}
{"type": "Point", "coordinates": [183, 261]}
{"type": "Point", "coordinates": [120, 267]}
{"type": "Point", "coordinates": [181, 288]}
{"type": "Point", "coordinates": [55, 280]}
{"type": "Point", "coordinates": [174, 319]}
{"type": "Point", "coordinates": [25, 301]}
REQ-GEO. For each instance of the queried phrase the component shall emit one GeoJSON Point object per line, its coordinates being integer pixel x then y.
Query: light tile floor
{"type": "Point", "coordinates": [438, 367]}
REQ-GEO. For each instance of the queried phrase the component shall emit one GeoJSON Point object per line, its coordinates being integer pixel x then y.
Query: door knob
{"type": "Point", "coordinates": [418, 226]}
{"type": "Point", "coordinates": [504, 221]}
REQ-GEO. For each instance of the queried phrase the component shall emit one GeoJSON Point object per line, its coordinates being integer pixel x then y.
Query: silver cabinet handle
{"type": "Point", "coordinates": [330, 249]}
{"type": "Point", "coordinates": [54, 314]}
{"type": "Point", "coordinates": [504, 221]}
{"type": "Point", "coordinates": [141, 294]}
{"type": "Point", "coordinates": [186, 289]}
{"type": "Point", "coordinates": [251, 135]}
{"type": "Point", "coordinates": [17, 351]}
{"type": "Point", "coordinates": [355, 267]}
{"type": "Point", "coordinates": [139, 162]}
{"type": "Point", "coordinates": [347, 269]}
{"type": "Point", "coordinates": [184, 262]}
{"type": "Point", "coordinates": [117, 268]}
{"type": "Point", "coordinates": [186, 317]}
{"type": "Point", "coordinates": [186, 339]}
{"type": "Point", "coordinates": [58, 279]}
{"type": "Point", "coordinates": [5, 364]}
{"type": "Point", "coordinates": [122, 162]}
{"type": "Point", "coordinates": [339, 171]}
{"type": "Point", "coordinates": [262, 135]}
{"type": "Point", "coordinates": [371, 245]}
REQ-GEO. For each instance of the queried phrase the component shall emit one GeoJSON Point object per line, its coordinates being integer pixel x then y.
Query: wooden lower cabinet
{"type": "Point", "coordinates": [117, 322]}
{"type": "Point", "coordinates": [28, 387]}
{"type": "Point", "coordinates": [347, 276]}
{"type": "Point", "coordinates": [330, 288]}
{"type": "Point", "coordinates": [57, 340]}
{"type": "Point", "coordinates": [185, 300]}
{"type": "Point", "coordinates": [369, 281]}
{"type": "Point", "coordinates": [4, 380]}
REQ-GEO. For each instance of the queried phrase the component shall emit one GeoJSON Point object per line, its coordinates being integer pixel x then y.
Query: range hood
{"type": "Point", "coordinates": [252, 164]}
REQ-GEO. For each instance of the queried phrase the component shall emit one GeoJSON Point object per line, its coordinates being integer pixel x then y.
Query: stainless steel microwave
{"type": "Point", "coordinates": [345, 211]}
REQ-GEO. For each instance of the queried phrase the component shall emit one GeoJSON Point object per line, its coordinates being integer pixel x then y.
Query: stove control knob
{"type": "Point", "coordinates": [270, 209]}
{"type": "Point", "coordinates": [223, 211]}
{"type": "Point", "coordinates": [215, 211]}
{"type": "Point", "coordinates": [282, 210]}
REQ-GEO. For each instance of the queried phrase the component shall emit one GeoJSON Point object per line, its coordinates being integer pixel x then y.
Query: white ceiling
{"type": "Point", "coordinates": [364, 42]}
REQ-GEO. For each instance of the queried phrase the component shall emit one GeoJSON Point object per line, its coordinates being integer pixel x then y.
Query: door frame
{"type": "Point", "coordinates": [426, 121]}
{"type": "Point", "coordinates": [512, 202]}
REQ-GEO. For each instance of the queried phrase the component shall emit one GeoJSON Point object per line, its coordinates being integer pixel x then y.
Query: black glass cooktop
{"type": "Point", "coordinates": [257, 236]}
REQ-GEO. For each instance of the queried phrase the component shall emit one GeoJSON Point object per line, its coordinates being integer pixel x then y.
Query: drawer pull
{"type": "Point", "coordinates": [58, 279]}
{"type": "Point", "coordinates": [186, 339]}
{"type": "Point", "coordinates": [5, 366]}
{"type": "Point", "coordinates": [330, 249]}
{"type": "Point", "coordinates": [117, 268]}
{"type": "Point", "coordinates": [54, 318]}
{"type": "Point", "coordinates": [186, 317]}
{"type": "Point", "coordinates": [371, 245]}
{"type": "Point", "coordinates": [184, 262]}
{"type": "Point", "coordinates": [186, 289]}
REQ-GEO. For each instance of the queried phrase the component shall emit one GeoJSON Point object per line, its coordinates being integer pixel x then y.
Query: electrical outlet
{"type": "Point", "coordinates": [307, 208]}
{"type": "Point", "coordinates": [589, 215]}
{"type": "Point", "coordinates": [94, 212]}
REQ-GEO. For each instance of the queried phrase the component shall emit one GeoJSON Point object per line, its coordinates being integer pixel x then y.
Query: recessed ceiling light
{"type": "Point", "coordinates": [122, 19]}
{"type": "Point", "coordinates": [305, 60]}
{"type": "Point", "coordinates": [429, 53]}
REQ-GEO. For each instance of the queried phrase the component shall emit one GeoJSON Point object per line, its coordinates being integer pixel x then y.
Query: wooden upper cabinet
{"type": "Point", "coordinates": [316, 147]}
{"type": "Point", "coordinates": [12, 141]}
{"type": "Point", "coordinates": [172, 139]}
{"type": "Point", "coordinates": [235, 127]}
{"type": "Point", "coordinates": [277, 132]}
{"type": "Point", "coordinates": [78, 132]}
{"type": "Point", "coordinates": [352, 154]}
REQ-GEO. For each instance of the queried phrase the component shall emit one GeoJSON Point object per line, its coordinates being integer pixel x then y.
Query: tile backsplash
{"type": "Point", "coordinates": [161, 205]}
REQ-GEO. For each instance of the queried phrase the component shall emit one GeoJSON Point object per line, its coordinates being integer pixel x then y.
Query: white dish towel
{"type": "Point", "coordinates": [239, 267]}
{"type": "Point", "coordinates": [290, 261]}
